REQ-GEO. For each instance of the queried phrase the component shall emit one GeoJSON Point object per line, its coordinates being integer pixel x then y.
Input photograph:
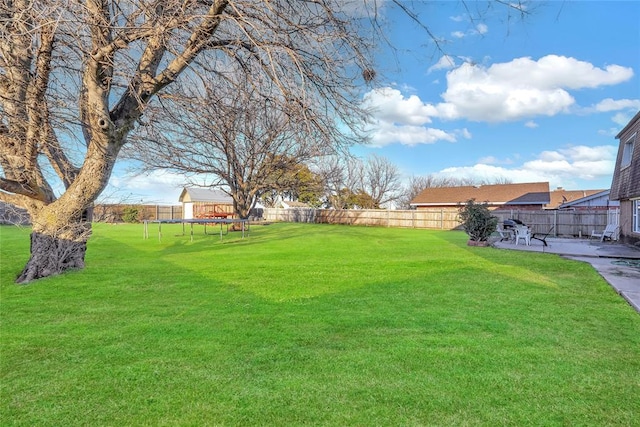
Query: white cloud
{"type": "Point", "coordinates": [514, 90]}
{"type": "Point", "coordinates": [611, 132]}
{"type": "Point", "coordinates": [391, 106]}
{"type": "Point", "coordinates": [622, 119]}
{"type": "Point", "coordinates": [489, 160]}
{"type": "Point", "coordinates": [522, 88]}
{"type": "Point", "coordinates": [517, 90]}
{"type": "Point", "coordinates": [400, 119]}
{"type": "Point", "coordinates": [157, 187]}
{"type": "Point", "coordinates": [479, 29]}
{"type": "Point", "coordinates": [559, 167]}
{"type": "Point", "coordinates": [389, 133]}
{"type": "Point", "coordinates": [489, 173]}
{"type": "Point", "coordinates": [610, 104]}
{"type": "Point", "coordinates": [553, 71]}
{"type": "Point", "coordinates": [463, 133]}
{"type": "Point", "coordinates": [445, 62]}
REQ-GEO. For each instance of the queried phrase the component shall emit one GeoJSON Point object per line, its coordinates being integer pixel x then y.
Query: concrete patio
{"type": "Point", "coordinates": [617, 263]}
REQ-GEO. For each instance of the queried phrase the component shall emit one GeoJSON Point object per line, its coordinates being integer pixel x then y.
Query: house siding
{"type": "Point", "coordinates": [625, 185]}
{"type": "Point", "coordinates": [626, 220]}
{"type": "Point", "coordinates": [626, 182]}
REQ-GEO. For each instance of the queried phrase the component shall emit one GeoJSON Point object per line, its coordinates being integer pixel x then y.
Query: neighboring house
{"type": "Point", "coordinates": [597, 200]}
{"type": "Point", "coordinates": [625, 186]}
{"type": "Point", "coordinates": [204, 202]}
{"type": "Point", "coordinates": [533, 196]}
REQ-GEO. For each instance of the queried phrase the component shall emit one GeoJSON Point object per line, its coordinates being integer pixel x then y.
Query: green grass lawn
{"type": "Point", "coordinates": [313, 325]}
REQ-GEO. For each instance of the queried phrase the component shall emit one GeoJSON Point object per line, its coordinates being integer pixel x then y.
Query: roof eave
{"type": "Point", "coordinates": [624, 129]}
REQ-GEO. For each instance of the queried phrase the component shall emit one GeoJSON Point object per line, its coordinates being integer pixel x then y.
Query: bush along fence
{"type": "Point", "coordinates": [565, 223]}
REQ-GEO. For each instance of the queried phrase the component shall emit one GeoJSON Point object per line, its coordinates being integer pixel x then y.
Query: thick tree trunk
{"type": "Point", "coordinates": [51, 255]}
{"type": "Point", "coordinates": [57, 247]}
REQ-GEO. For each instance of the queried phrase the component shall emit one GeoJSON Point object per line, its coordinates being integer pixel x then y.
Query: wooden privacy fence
{"type": "Point", "coordinates": [115, 213]}
{"type": "Point", "coordinates": [443, 219]}
{"type": "Point", "coordinates": [565, 223]}
{"type": "Point", "coordinates": [101, 213]}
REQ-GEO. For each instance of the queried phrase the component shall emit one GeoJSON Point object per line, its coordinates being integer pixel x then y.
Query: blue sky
{"type": "Point", "coordinates": [538, 98]}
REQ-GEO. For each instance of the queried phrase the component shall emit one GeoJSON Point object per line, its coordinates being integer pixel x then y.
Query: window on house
{"type": "Point", "coordinates": [636, 216]}
{"type": "Point", "coordinates": [627, 151]}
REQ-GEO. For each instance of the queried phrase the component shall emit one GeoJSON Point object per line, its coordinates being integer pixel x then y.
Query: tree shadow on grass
{"type": "Point", "coordinates": [289, 262]}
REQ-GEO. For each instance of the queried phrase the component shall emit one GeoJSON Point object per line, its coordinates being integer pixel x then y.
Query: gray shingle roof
{"type": "Point", "coordinates": [194, 194]}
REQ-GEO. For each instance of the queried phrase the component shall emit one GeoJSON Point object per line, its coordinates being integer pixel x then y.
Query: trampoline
{"type": "Point", "coordinates": [201, 221]}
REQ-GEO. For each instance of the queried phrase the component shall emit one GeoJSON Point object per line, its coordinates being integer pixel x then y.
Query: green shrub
{"type": "Point", "coordinates": [477, 221]}
{"type": "Point", "coordinates": [131, 214]}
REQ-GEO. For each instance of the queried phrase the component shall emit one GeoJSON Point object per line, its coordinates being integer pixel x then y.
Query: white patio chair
{"type": "Point", "coordinates": [610, 232]}
{"type": "Point", "coordinates": [504, 234]}
{"type": "Point", "coordinates": [524, 234]}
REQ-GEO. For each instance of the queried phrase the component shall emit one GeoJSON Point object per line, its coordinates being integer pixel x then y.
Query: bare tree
{"type": "Point", "coordinates": [381, 180]}
{"type": "Point", "coordinates": [76, 78]}
{"type": "Point", "coordinates": [416, 184]}
{"type": "Point", "coordinates": [342, 175]}
{"type": "Point", "coordinates": [246, 139]}
{"type": "Point", "coordinates": [376, 180]}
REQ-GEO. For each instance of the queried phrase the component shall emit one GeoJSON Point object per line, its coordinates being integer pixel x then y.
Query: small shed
{"type": "Point", "coordinates": [205, 203]}
{"type": "Point", "coordinates": [596, 201]}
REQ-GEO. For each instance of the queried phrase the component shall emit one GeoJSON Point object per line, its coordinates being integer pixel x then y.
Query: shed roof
{"type": "Point", "coordinates": [533, 193]}
{"type": "Point", "coordinates": [562, 197]}
{"type": "Point", "coordinates": [194, 194]}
